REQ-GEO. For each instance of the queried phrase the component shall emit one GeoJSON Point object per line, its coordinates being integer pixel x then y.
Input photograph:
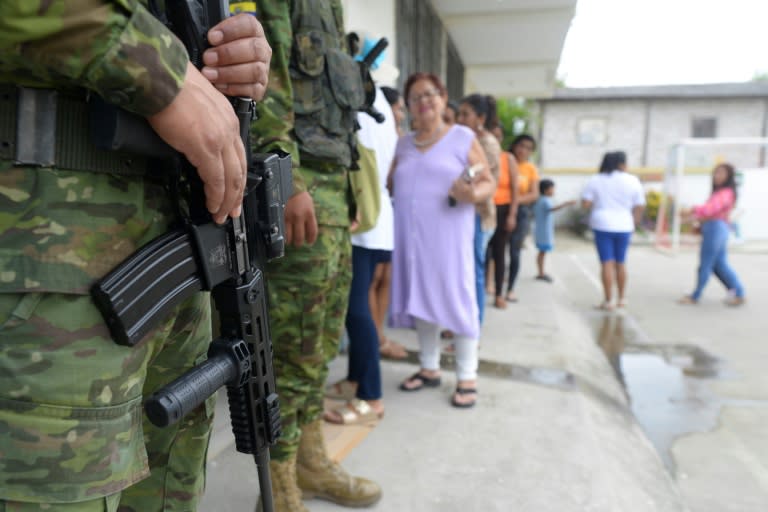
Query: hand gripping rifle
{"type": "Point", "coordinates": [226, 260]}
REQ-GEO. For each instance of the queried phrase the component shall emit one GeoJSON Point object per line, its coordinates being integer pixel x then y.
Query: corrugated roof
{"type": "Point", "coordinates": [726, 90]}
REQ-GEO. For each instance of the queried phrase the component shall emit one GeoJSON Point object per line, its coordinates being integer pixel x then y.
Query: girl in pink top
{"type": "Point", "coordinates": [713, 255]}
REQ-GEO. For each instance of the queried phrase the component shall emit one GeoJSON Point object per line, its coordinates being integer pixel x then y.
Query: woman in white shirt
{"type": "Point", "coordinates": [616, 200]}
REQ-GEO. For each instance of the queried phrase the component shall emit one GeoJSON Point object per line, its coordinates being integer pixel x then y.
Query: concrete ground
{"type": "Point", "coordinates": [658, 408]}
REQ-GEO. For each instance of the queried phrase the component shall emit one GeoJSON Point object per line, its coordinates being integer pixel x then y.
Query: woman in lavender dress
{"type": "Point", "coordinates": [433, 276]}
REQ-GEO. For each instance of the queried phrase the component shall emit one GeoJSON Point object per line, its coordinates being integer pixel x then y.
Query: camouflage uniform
{"type": "Point", "coordinates": [71, 430]}
{"type": "Point", "coordinates": [302, 114]}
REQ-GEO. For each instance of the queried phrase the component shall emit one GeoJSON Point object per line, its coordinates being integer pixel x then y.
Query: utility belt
{"type": "Point", "coordinates": [50, 128]}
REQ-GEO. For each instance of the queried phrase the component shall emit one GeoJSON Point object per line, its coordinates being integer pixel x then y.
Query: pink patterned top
{"type": "Point", "coordinates": [717, 207]}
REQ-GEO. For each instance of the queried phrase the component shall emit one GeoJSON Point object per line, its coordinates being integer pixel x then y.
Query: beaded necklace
{"type": "Point", "coordinates": [429, 141]}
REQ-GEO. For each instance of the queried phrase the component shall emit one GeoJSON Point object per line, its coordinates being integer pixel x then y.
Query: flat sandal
{"type": "Point", "coordinates": [426, 382]}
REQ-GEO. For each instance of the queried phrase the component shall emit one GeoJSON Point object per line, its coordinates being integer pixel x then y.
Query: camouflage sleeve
{"type": "Point", "coordinates": [274, 124]}
{"type": "Point", "coordinates": [113, 47]}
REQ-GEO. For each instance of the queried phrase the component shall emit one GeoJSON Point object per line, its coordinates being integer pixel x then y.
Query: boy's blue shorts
{"type": "Point", "coordinates": [544, 247]}
{"type": "Point", "coordinates": [612, 246]}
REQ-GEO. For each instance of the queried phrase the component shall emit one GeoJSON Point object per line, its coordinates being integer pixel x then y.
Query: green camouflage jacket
{"type": "Point", "coordinates": [275, 126]}
{"type": "Point", "coordinates": [115, 48]}
{"type": "Point", "coordinates": [60, 229]}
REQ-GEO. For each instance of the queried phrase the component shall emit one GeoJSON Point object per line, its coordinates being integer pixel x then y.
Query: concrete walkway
{"type": "Point", "coordinates": [553, 429]}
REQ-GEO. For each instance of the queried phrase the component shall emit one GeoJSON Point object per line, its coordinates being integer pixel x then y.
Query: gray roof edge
{"type": "Point", "coordinates": [721, 90]}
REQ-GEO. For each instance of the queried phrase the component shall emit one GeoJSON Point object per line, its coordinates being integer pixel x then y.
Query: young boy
{"type": "Point", "coordinates": [545, 224]}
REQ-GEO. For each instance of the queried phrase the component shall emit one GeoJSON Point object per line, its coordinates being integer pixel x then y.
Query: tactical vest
{"type": "Point", "coordinates": [327, 85]}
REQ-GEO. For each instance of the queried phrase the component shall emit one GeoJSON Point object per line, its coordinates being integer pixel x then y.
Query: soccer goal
{"type": "Point", "coordinates": [687, 181]}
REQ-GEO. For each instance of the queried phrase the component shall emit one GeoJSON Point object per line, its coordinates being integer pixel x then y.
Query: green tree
{"type": "Point", "coordinates": [515, 117]}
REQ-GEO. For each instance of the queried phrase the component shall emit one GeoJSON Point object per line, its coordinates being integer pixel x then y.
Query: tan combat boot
{"type": "Point", "coordinates": [320, 477]}
{"type": "Point", "coordinates": [285, 493]}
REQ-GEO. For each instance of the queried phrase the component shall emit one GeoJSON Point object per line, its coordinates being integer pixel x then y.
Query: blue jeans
{"type": "Point", "coordinates": [713, 257]}
{"type": "Point", "coordinates": [482, 237]}
{"type": "Point", "coordinates": [363, 338]}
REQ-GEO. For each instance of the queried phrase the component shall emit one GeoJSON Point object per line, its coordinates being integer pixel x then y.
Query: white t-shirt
{"type": "Point", "coordinates": [382, 138]}
{"type": "Point", "coordinates": [613, 197]}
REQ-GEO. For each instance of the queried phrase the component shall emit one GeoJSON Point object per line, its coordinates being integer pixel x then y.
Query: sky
{"type": "Point", "coordinates": [655, 42]}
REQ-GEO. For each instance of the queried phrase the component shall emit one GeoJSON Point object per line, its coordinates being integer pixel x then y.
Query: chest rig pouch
{"type": "Point", "coordinates": [328, 87]}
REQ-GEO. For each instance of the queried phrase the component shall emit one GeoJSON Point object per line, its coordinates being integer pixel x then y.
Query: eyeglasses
{"type": "Point", "coordinates": [426, 94]}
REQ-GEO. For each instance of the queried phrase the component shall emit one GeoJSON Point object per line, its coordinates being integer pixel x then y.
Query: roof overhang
{"type": "Point", "coordinates": [509, 48]}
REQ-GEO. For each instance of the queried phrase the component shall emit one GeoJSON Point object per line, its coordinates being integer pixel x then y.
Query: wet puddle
{"type": "Point", "coordinates": [666, 384]}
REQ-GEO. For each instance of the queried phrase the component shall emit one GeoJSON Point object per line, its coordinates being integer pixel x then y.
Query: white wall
{"type": "Point", "coordinates": [752, 208]}
{"type": "Point", "coordinates": [624, 121]}
{"type": "Point", "coordinates": [669, 121]}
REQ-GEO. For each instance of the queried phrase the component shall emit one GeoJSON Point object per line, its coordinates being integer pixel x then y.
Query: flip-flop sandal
{"type": "Point", "coordinates": [424, 382]}
{"type": "Point", "coordinates": [341, 390]}
{"type": "Point", "coordinates": [354, 412]}
{"type": "Point", "coordinates": [392, 350]}
{"type": "Point", "coordinates": [464, 391]}
{"type": "Point", "coordinates": [604, 306]}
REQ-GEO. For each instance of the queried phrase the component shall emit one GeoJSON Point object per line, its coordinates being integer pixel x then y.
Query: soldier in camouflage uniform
{"type": "Point", "coordinates": [72, 436]}
{"type": "Point", "coordinates": [309, 111]}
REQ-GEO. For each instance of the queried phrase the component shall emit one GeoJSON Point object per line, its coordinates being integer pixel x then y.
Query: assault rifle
{"type": "Point", "coordinates": [226, 260]}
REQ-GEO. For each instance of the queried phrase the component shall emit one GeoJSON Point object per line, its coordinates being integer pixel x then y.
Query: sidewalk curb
{"type": "Point", "coordinates": [629, 458]}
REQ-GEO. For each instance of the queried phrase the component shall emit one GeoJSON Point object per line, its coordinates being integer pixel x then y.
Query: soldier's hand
{"type": "Point", "coordinates": [238, 63]}
{"type": "Point", "coordinates": [300, 221]}
{"type": "Point", "coordinates": [201, 124]}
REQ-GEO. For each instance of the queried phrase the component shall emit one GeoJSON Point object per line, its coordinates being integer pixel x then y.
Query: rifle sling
{"type": "Point", "coordinates": [49, 128]}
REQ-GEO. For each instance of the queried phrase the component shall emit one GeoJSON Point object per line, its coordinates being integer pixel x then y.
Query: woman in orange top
{"type": "Point", "coordinates": [528, 192]}
{"type": "Point", "coordinates": [505, 200]}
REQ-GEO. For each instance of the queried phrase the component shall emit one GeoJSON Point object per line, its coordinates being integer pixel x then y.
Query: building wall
{"type": "Point", "coordinates": [418, 41]}
{"type": "Point", "coordinates": [558, 148]}
{"type": "Point", "coordinates": [647, 129]}
{"type": "Point", "coordinates": [377, 19]}
{"type": "Point", "coordinates": [671, 121]}
{"type": "Point", "coordinates": [425, 45]}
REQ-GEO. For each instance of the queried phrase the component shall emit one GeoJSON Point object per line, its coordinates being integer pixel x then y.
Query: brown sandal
{"type": "Point", "coordinates": [353, 412]}
{"type": "Point", "coordinates": [392, 350]}
{"type": "Point", "coordinates": [341, 390]}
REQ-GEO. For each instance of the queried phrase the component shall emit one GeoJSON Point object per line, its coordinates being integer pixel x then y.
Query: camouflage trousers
{"type": "Point", "coordinates": [73, 437]}
{"type": "Point", "coordinates": [308, 293]}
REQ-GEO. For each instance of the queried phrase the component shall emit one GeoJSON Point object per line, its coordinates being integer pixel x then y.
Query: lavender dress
{"type": "Point", "coordinates": [433, 258]}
